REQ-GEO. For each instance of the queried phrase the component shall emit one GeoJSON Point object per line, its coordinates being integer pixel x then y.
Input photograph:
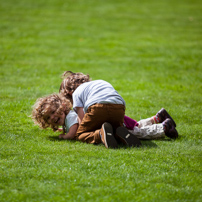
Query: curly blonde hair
{"type": "Point", "coordinates": [71, 81]}
{"type": "Point", "coordinates": [51, 103]}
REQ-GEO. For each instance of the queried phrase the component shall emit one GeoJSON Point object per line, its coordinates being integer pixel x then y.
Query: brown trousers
{"type": "Point", "coordinates": [96, 115]}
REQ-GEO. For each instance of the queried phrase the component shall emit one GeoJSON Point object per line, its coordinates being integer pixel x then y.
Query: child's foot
{"type": "Point", "coordinates": [127, 138]}
{"type": "Point", "coordinates": [162, 115]}
{"type": "Point", "coordinates": [169, 129]}
{"type": "Point", "coordinates": [107, 136]}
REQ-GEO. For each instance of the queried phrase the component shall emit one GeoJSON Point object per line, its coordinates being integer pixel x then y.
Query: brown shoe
{"type": "Point", "coordinates": [127, 138]}
{"type": "Point", "coordinates": [169, 129]}
{"type": "Point", "coordinates": [107, 136]}
{"type": "Point", "coordinates": [162, 115]}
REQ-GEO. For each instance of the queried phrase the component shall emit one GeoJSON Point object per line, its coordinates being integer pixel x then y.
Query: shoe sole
{"type": "Point", "coordinates": [167, 115]}
{"type": "Point", "coordinates": [127, 138]}
{"type": "Point", "coordinates": [173, 134]}
{"type": "Point", "coordinates": [109, 139]}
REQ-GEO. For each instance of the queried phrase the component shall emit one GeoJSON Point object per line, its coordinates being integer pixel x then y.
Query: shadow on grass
{"type": "Point", "coordinates": [57, 139]}
{"type": "Point", "coordinates": [54, 138]}
{"type": "Point", "coordinates": [145, 143]}
{"type": "Point", "coordinates": [148, 143]}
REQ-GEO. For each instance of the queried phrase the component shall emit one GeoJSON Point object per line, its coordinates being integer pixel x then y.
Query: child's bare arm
{"type": "Point", "coordinates": [71, 134]}
{"type": "Point", "coordinates": [80, 113]}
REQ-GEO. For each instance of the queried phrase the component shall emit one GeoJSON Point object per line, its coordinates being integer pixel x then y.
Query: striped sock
{"type": "Point", "coordinates": [156, 119]}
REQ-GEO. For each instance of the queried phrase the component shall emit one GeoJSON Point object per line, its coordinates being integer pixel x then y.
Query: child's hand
{"type": "Point", "coordinates": [62, 136]}
{"type": "Point", "coordinates": [71, 134]}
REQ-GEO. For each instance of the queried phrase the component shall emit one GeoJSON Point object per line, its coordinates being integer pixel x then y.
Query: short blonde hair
{"type": "Point", "coordinates": [71, 81]}
{"type": "Point", "coordinates": [43, 106]}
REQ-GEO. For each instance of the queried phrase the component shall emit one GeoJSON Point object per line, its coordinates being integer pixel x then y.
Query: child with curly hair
{"type": "Point", "coordinates": [54, 111]}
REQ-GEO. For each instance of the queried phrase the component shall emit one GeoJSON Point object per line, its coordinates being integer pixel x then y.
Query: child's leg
{"type": "Point", "coordinates": [146, 122]}
{"type": "Point", "coordinates": [156, 131]}
{"type": "Point", "coordinates": [149, 132]}
{"type": "Point", "coordinates": [160, 117]}
{"type": "Point", "coordinates": [90, 127]}
{"type": "Point", "coordinates": [129, 123]}
{"type": "Point", "coordinates": [144, 129]}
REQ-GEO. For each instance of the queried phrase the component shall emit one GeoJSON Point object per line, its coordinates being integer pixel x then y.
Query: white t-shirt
{"type": "Point", "coordinates": [93, 92]}
{"type": "Point", "coordinates": [71, 119]}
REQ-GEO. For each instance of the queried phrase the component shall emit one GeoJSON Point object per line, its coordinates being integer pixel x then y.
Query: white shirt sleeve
{"type": "Point", "coordinates": [70, 120]}
{"type": "Point", "coordinates": [77, 101]}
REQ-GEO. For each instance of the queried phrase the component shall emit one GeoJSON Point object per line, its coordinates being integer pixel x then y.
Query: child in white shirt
{"type": "Point", "coordinates": [85, 93]}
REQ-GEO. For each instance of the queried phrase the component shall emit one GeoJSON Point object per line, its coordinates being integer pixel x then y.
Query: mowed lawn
{"type": "Point", "coordinates": [150, 51]}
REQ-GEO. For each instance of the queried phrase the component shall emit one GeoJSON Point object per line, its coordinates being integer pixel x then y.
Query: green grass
{"type": "Point", "coordinates": [150, 51]}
